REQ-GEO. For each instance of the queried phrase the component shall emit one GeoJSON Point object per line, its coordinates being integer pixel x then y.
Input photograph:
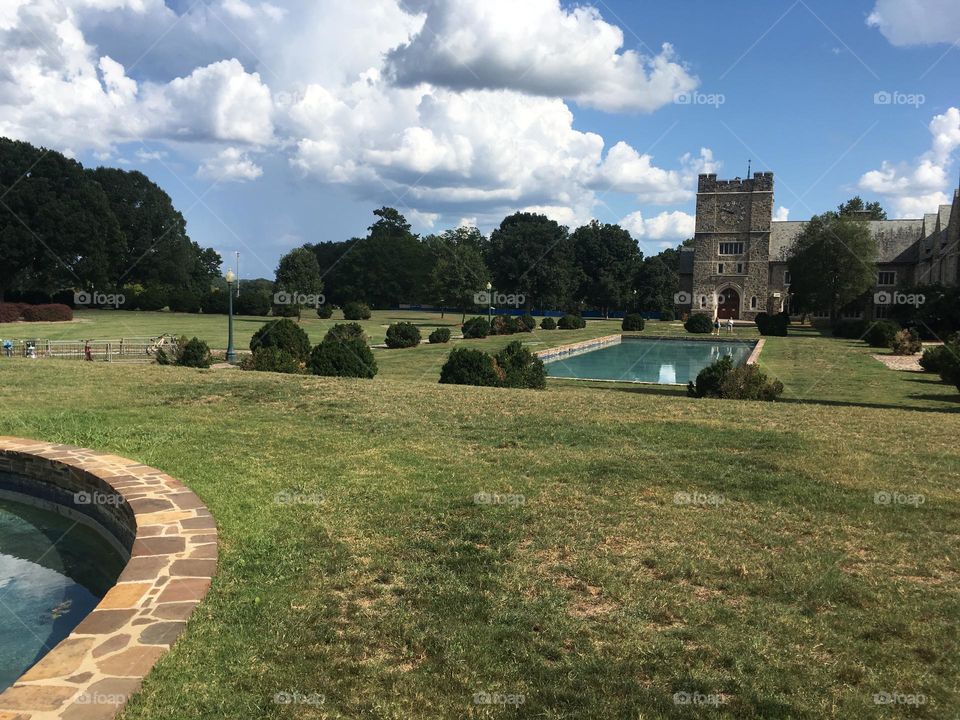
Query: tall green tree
{"type": "Point", "coordinates": [299, 274]}
{"type": "Point", "coordinates": [608, 259]}
{"type": "Point", "coordinates": [832, 263]}
{"type": "Point", "coordinates": [532, 255]}
{"type": "Point", "coordinates": [459, 270]}
{"type": "Point", "coordinates": [57, 230]}
{"type": "Point", "coordinates": [867, 211]}
{"type": "Point", "coordinates": [657, 281]}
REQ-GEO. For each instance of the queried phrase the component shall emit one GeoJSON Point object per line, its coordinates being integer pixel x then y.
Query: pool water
{"type": "Point", "coordinates": [666, 362]}
{"type": "Point", "coordinates": [53, 571]}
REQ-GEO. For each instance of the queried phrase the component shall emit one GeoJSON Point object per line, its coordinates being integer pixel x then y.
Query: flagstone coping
{"type": "Point", "coordinates": [170, 539]}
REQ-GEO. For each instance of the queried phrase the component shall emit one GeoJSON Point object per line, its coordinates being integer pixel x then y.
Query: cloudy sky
{"type": "Point", "coordinates": [277, 123]}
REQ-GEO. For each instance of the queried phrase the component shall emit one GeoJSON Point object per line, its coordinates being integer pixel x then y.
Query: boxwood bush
{"type": "Point", "coordinates": [722, 380]}
{"type": "Point", "coordinates": [881, 333]}
{"type": "Point", "coordinates": [526, 323]}
{"type": "Point", "coordinates": [356, 311]}
{"type": "Point", "coordinates": [949, 361]}
{"type": "Point", "coordinates": [439, 336]}
{"type": "Point", "coordinates": [571, 322]}
{"type": "Point", "coordinates": [521, 368]}
{"type": "Point", "coordinates": [403, 335]}
{"type": "Point", "coordinates": [285, 335]}
{"type": "Point", "coordinates": [477, 327]}
{"type": "Point", "coordinates": [773, 324]}
{"type": "Point", "coordinates": [933, 359]}
{"type": "Point", "coordinates": [325, 311]}
{"type": "Point", "coordinates": [632, 323]}
{"type": "Point", "coordinates": [700, 324]}
{"type": "Point", "coordinates": [195, 354]}
{"type": "Point", "coordinates": [348, 357]}
{"type": "Point", "coordinates": [548, 323]}
{"type": "Point", "coordinates": [849, 329]}
{"type": "Point", "coordinates": [470, 367]}
{"type": "Point", "coordinates": [347, 331]}
{"type": "Point", "coordinates": [906, 342]}
{"type": "Point", "coordinates": [272, 359]}
{"type": "Point", "coordinates": [504, 325]}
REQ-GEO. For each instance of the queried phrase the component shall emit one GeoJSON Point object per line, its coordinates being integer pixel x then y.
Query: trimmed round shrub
{"type": "Point", "coordinates": [949, 361]}
{"type": "Point", "coordinates": [526, 323]}
{"type": "Point", "coordinates": [47, 313]}
{"type": "Point", "coordinates": [253, 302]}
{"type": "Point", "coordinates": [214, 302]}
{"type": "Point", "coordinates": [343, 358]}
{"type": "Point", "coordinates": [195, 354]}
{"type": "Point", "coordinates": [477, 327]}
{"type": "Point", "coordinates": [849, 329]}
{"type": "Point", "coordinates": [521, 368]}
{"type": "Point", "coordinates": [347, 331]}
{"type": "Point", "coordinates": [325, 311]}
{"type": "Point", "coordinates": [699, 324]}
{"type": "Point", "coordinates": [184, 300]}
{"type": "Point", "coordinates": [504, 325]}
{"type": "Point", "coordinates": [667, 316]}
{"type": "Point", "coordinates": [470, 367]}
{"type": "Point", "coordinates": [272, 359]}
{"type": "Point", "coordinates": [548, 323]}
{"type": "Point", "coordinates": [403, 335]}
{"type": "Point", "coordinates": [356, 311]}
{"type": "Point", "coordinates": [933, 359]}
{"type": "Point", "coordinates": [439, 336]}
{"type": "Point", "coordinates": [571, 322]}
{"type": "Point", "coordinates": [632, 323]}
{"type": "Point", "coordinates": [906, 342]}
{"type": "Point", "coordinates": [285, 335]}
{"type": "Point", "coordinates": [722, 380]}
{"type": "Point", "coordinates": [772, 324]}
{"type": "Point", "coordinates": [881, 333]}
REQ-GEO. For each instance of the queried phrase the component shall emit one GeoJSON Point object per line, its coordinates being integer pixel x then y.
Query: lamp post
{"type": "Point", "coordinates": [231, 353]}
{"type": "Point", "coordinates": [489, 302]}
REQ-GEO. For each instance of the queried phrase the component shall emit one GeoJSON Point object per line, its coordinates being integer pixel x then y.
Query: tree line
{"type": "Point", "coordinates": [64, 228]}
{"type": "Point", "coordinates": [529, 259]}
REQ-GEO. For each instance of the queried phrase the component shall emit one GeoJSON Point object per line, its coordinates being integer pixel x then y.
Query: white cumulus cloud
{"type": "Point", "coordinates": [673, 226]}
{"type": "Point", "coordinates": [230, 165]}
{"type": "Point", "coordinates": [917, 22]}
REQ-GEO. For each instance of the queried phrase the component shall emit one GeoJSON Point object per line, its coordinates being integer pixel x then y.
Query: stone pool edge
{"type": "Point", "coordinates": [93, 672]}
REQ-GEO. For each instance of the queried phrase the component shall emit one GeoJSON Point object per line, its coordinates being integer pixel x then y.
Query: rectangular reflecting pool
{"type": "Point", "coordinates": [648, 360]}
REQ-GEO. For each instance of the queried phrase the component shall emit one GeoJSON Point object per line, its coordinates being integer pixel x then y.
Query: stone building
{"type": "Point", "coordinates": [736, 266]}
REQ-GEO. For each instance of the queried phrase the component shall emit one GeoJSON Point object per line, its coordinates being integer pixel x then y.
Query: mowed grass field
{"type": "Point", "coordinates": [796, 559]}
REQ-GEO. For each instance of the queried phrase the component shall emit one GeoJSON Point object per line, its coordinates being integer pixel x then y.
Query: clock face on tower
{"type": "Point", "coordinates": [732, 213]}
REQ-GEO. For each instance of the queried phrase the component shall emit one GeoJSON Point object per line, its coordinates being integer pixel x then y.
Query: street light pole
{"type": "Point", "coordinates": [231, 353]}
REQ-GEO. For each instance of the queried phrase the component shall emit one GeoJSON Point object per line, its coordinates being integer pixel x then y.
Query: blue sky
{"type": "Point", "coordinates": [274, 124]}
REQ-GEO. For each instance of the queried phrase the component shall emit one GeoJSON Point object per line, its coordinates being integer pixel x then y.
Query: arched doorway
{"type": "Point", "coordinates": [728, 304]}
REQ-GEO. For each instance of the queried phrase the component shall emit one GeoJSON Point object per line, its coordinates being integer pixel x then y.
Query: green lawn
{"type": "Point", "coordinates": [783, 590]}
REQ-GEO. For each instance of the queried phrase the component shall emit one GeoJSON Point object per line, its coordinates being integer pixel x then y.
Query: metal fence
{"type": "Point", "coordinates": [126, 350]}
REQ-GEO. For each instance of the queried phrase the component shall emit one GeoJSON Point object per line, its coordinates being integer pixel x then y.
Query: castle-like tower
{"type": "Point", "coordinates": [732, 247]}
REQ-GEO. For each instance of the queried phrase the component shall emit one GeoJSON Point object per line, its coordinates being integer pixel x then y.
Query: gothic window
{"type": "Point", "coordinates": [731, 248]}
{"type": "Point", "coordinates": [703, 301]}
{"type": "Point", "coordinates": [720, 269]}
{"type": "Point", "coordinates": [886, 277]}
{"type": "Point", "coordinates": [753, 303]}
{"type": "Point", "coordinates": [739, 268]}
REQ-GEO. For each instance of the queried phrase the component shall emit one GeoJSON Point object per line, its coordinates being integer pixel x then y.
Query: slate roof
{"type": "Point", "coordinates": [896, 239]}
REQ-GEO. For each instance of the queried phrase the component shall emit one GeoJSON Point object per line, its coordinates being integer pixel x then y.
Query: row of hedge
{"type": "Point", "coordinates": [52, 312]}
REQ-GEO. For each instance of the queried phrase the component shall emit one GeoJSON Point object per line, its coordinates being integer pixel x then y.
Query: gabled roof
{"type": "Point", "coordinates": [945, 216]}
{"type": "Point", "coordinates": [896, 239]}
